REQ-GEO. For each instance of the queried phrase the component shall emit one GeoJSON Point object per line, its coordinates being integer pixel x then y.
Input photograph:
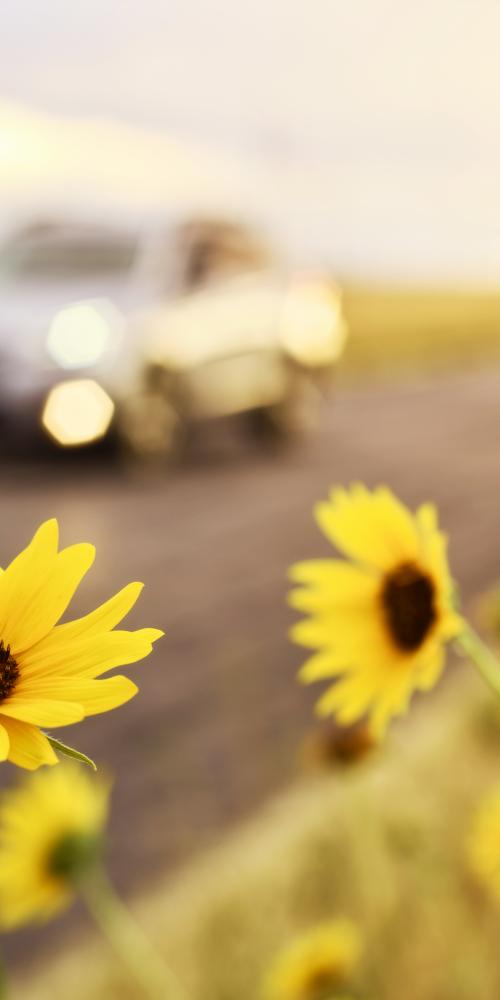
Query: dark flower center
{"type": "Point", "coordinates": [408, 603]}
{"type": "Point", "coordinates": [73, 855]}
{"type": "Point", "coordinates": [9, 671]}
{"type": "Point", "coordinates": [320, 982]}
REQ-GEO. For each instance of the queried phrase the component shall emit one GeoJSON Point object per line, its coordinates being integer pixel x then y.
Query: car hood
{"type": "Point", "coordinates": [238, 316]}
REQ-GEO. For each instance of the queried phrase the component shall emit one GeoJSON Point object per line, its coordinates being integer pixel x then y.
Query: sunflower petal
{"type": "Point", "coordinates": [313, 633]}
{"type": "Point", "coordinates": [92, 696]}
{"type": "Point", "coordinates": [321, 666]}
{"type": "Point", "coordinates": [332, 583]}
{"type": "Point", "coordinates": [22, 578]}
{"type": "Point", "coordinates": [42, 712]}
{"type": "Point", "coordinates": [28, 624]}
{"type": "Point", "coordinates": [86, 658]}
{"type": "Point", "coordinates": [386, 708]}
{"type": "Point", "coordinates": [330, 573]}
{"type": "Point", "coordinates": [451, 625]}
{"type": "Point", "coordinates": [29, 748]}
{"type": "Point", "coordinates": [102, 695]}
{"type": "Point", "coordinates": [104, 618]}
{"type": "Point", "coordinates": [38, 905]}
{"type": "Point", "coordinates": [431, 668]}
{"type": "Point", "coordinates": [374, 528]}
{"type": "Point", "coordinates": [427, 519]}
{"type": "Point", "coordinates": [346, 699]}
{"type": "Point", "coordinates": [4, 742]}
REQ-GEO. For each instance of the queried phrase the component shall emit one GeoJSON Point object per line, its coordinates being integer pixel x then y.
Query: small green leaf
{"type": "Point", "coordinates": [71, 752]}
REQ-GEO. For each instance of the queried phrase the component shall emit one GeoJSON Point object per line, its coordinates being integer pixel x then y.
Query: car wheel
{"type": "Point", "coordinates": [150, 429]}
{"type": "Point", "coordinates": [295, 415]}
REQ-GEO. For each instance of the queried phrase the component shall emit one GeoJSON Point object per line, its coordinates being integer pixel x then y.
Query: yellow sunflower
{"type": "Point", "coordinates": [48, 672]}
{"type": "Point", "coordinates": [379, 619]}
{"type": "Point", "coordinates": [316, 964]}
{"type": "Point", "coordinates": [51, 831]}
{"type": "Point", "coordinates": [483, 845]}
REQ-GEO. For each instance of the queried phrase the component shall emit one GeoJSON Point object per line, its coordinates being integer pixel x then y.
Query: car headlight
{"type": "Point", "coordinates": [80, 334]}
{"type": "Point", "coordinates": [313, 330]}
{"type": "Point", "coordinates": [77, 412]}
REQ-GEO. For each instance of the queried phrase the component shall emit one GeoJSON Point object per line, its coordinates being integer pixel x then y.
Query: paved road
{"type": "Point", "coordinates": [216, 726]}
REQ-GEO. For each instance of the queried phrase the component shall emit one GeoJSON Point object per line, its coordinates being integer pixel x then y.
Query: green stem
{"type": "Point", "coordinates": [3, 980]}
{"type": "Point", "coordinates": [482, 657]}
{"type": "Point", "coordinates": [127, 939]}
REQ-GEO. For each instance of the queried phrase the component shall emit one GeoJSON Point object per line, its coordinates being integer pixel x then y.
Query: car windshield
{"type": "Point", "coordinates": [211, 250]}
{"type": "Point", "coordinates": [68, 256]}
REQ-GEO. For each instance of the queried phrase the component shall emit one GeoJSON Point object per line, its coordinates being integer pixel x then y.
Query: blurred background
{"type": "Point", "coordinates": [247, 250]}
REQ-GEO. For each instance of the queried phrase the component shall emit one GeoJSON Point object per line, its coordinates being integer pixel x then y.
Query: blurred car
{"type": "Point", "coordinates": [141, 334]}
{"type": "Point", "coordinates": [260, 346]}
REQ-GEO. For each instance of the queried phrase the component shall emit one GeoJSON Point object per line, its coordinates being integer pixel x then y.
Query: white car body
{"type": "Point", "coordinates": [89, 312]}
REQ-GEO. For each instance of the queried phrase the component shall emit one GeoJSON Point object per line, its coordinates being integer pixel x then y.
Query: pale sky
{"type": "Point", "coordinates": [380, 116]}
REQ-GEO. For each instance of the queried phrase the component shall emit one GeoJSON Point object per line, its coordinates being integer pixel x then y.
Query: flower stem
{"type": "Point", "coordinates": [127, 939]}
{"type": "Point", "coordinates": [482, 657]}
{"type": "Point", "coordinates": [3, 980]}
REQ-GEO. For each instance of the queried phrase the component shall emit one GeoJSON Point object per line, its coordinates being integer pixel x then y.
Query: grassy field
{"type": "Point", "coordinates": [381, 841]}
{"type": "Point", "coordinates": [404, 330]}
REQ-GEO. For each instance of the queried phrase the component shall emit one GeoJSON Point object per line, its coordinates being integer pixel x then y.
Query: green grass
{"type": "Point", "coordinates": [382, 842]}
{"type": "Point", "coordinates": [406, 330]}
